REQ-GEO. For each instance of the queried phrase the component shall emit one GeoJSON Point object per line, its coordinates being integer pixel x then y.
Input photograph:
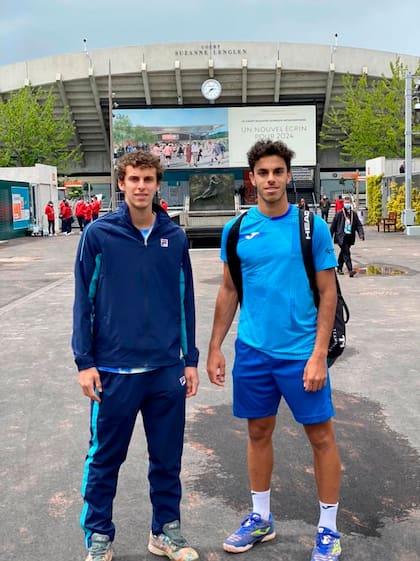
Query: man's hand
{"type": "Point", "coordinates": [315, 374]}
{"type": "Point", "coordinates": [191, 376]}
{"type": "Point", "coordinates": [216, 367]}
{"type": "Point", "coordinates": [90, 381]}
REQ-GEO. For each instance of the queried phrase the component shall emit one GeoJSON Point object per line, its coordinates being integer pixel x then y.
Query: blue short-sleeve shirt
{"type": "Point", "coordinates": [278, 315]}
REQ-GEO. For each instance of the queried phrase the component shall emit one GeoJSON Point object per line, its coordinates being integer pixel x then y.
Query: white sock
{"type": "Point", "coordinates": [328, 516]}
{"type": "Point", "coordinates": [261, 503]}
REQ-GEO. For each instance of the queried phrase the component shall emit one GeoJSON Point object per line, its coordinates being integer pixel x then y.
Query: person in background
{"type": "Point", "coordinates": [49, 211]}
{"type": "Point", "coordinates": [195, 149]}
{"type": "Point", "coordinates": [339, 203]}
{"type": "Point", "coordinates": [134, 347]}
{"type": "Point", "coordinates": [167, 152]}
{"type": "Point", "coordinates": [303, 205]}
{"type": "Point", "coordinates": [402, 167]}
{"type": "Point", "coordinates": [188, 154]}
{"type": "Point", "coordinates": [61, 205]}
{"type": "Point", "coordinates": [281, 347]}
{"type": "Point", "coordinates": [216, 153]}
{"type": "Point", "coordinates": [95, 206]}
{"type": "Point", "coordinates": [67, 216]}
{"type": "Point", "coordinates": [324, 206]}
{"type": "Point", "coordinates": [156, 150]}
{"type": "Point", "coordinates": [343, 228]}
{"type": "Point", "coordinates": [87, 214]}
{"type": "Point", "coordinates": [79, 211]}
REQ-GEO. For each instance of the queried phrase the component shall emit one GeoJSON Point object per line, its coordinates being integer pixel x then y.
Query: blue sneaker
{"type": "Point", "coordinates": [253, 529]}
{"type": "Point", "coordinates": [327, 546]}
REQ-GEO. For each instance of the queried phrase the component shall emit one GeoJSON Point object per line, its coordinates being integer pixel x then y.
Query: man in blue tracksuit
{"type": "Point", "coordinates": [134, 346]}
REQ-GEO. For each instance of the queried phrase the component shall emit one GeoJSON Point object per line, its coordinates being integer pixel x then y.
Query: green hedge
{"type": "Point", "coordinates": [374, 198]}
{"type": "Point", "coordinates": [395, 203]}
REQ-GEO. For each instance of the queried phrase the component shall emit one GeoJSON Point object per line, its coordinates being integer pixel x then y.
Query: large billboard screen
{"type": "Point", "coordinates": [214, 137]}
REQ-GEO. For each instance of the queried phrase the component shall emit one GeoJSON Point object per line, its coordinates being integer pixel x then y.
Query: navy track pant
{"type": "Point", "coordinates": [345, 257]}
{"type": "Point", "coordinates": [160, 397]}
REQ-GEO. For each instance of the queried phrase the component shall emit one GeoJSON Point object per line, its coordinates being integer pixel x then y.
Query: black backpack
{"type": "Point", "coordinates": [342, 315]}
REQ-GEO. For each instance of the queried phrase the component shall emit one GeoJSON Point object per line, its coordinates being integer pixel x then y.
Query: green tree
{"type": "Point", "coordinates": [142, 135]}
{"type": "Point", "coordinates": [369, 118]}
{"type": "Point", "coordinates": [74, 193]}
{"type": "Point", "coordinates": [30, 132]}
{"type": "Point", "coordinates": [122, 129]}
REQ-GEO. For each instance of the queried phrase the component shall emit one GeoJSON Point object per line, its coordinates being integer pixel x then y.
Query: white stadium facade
{"type": "Point", "coordinates": [260, 82]}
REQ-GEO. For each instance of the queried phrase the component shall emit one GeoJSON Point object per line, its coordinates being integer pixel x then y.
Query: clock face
{"type": "Point", "coordinates": [211, 89]}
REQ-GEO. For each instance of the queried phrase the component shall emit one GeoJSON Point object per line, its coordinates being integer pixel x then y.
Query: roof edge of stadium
{"type": "Point", "coordinates": [224, 55]}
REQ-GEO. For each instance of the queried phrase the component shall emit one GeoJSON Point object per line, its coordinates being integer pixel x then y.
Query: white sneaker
{"type": "Point", "coordinates": [172, 544]}
{"type": "Point", "coordinates": [100, 549]}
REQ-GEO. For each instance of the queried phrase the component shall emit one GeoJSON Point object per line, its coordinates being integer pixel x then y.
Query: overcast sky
{"type": "Point", "coordinates": [40, 28]}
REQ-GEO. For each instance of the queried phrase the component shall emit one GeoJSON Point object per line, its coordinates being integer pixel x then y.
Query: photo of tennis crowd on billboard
{"type": "Point", "coordinates": [176, 154]}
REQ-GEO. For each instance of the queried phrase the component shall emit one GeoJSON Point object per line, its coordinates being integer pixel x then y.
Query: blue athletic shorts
{"type": "Point", "coordinates": [260, 381]}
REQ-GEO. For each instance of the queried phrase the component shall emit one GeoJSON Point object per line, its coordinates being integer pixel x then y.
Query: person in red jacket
{"type": "Point", "coordinates": [96, 205]}
{"type": "Point", "coordinates": [61, 204]}
{"type": "Point", "coordinates": [49, 211]}
{"type": "Point", "coordinates": [88, 213]}
{"type": "Point", "coordinates": [67, 215]}
{"type": "Point", "coordinates": [339, 203]}
{"type": "Point", "coordinates": [79, 211]}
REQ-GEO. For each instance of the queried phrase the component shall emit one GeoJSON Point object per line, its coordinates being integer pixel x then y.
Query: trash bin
{"type": "Point", "coordinates": [362, 214]}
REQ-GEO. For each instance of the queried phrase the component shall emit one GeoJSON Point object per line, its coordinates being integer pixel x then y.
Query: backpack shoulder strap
{"type": "Point", "coordinates": [233, 260]}
{"type": "Point", "coordinates": [306, 223]}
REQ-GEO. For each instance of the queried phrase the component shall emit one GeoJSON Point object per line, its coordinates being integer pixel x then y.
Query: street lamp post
{"type": "Point", "coordinates": [408, 215]}
{"type": "Point", "coordinates": [111, 138]}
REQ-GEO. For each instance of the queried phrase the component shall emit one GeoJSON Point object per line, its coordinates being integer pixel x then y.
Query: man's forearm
{"type": "Point", "coordinates": [325, 321]}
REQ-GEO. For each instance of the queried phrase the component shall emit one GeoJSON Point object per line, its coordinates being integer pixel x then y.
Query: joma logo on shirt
{"type": "Point", "coordinates": [251, 235]}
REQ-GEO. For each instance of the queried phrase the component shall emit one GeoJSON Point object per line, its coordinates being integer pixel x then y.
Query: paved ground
{"type": "Point", "coordinates": [44, 418]}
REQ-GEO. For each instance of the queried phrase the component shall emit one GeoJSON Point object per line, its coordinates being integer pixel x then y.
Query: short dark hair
{"type": "Point", "coordinates": [139, 159]}
{"type": "Point", "coordinates": [267, 147]}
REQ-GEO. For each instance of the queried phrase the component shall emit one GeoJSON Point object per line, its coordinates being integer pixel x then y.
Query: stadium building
{"type": "Point", "coordinates": [211, 99]}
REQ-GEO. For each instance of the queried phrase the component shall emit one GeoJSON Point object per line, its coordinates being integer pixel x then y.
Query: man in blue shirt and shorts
{"type": "Point", "coordinates": [281, 347]}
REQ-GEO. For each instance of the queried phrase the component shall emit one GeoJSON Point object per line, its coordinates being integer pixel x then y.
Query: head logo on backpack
{"type": "Point", "coordinates": [337, 342]}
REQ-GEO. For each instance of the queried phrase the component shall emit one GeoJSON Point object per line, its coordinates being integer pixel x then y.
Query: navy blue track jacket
{"type": "Point", "coordinates": [134, 300]}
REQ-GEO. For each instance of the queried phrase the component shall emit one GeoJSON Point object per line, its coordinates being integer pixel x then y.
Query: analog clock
{"type": "Point", "coordinates": [211, 89]}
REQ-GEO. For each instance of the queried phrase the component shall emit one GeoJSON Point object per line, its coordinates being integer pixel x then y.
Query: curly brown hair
{"type": "Point", "coordinates": [139, 159]}
{"type": "Point", "coordinates": [267, 147]}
